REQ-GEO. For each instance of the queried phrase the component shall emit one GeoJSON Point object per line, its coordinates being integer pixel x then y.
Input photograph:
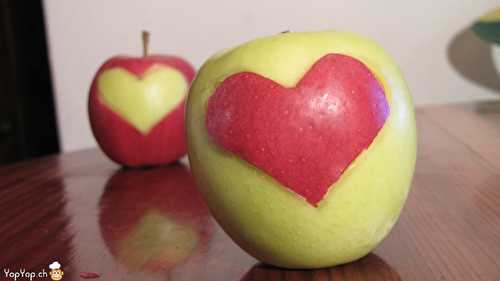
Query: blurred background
{"type": "Point", "coordinates": [51, 50]}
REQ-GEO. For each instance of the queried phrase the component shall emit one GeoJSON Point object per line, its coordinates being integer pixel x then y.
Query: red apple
{"type": "Point", "coordinates": [154, 219]}
{"type": "Point", "coordinates": [136, 108]}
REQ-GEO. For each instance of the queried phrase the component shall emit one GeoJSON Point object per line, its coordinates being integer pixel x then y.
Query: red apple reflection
{"type": "Point", "coordinates": [154, 219]}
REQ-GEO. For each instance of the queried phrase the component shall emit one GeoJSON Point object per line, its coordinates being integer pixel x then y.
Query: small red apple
{"type": "Point", "coordinates": [136, 108]}
{"type": "Point", "coordinates": [154, 219]}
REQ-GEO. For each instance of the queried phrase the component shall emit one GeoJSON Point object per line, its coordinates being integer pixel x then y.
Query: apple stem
{"type": "Point", "coordinates": [145, 43]}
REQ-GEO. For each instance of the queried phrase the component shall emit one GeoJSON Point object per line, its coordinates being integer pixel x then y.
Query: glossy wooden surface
{"type": "Point", "coordinates": [83, 211]}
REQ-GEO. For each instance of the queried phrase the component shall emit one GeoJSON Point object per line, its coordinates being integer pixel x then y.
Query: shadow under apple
{"type": "Point", "coordinates": [369, 268]}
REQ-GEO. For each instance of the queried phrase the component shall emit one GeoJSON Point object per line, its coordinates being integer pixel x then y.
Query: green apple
{"type": "Point", "coordinates": [303, 145]}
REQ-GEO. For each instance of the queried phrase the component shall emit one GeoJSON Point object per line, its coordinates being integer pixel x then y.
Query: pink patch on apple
{"type": "Point", "coordinates": [305, 137]}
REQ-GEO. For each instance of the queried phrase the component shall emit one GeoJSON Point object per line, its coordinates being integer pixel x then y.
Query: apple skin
{"type": "Point", "coordinates": [165, 142]}
{"type": "Point", "coordinates": [154, 219]}
{"type": "Point", "coordinates": [293, 134]}
{"type": "Point", "coordinates": [266, 219]}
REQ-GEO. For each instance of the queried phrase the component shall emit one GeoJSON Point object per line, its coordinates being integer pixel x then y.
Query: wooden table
{"type": "Point", "coordinates": [58, 208]}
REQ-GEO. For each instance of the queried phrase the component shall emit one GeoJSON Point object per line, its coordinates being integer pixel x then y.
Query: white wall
{"type": "Point", "coordinates": [82, 34]}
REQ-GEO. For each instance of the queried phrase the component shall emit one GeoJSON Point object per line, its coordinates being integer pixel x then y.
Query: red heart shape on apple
{"type": "Point", "coordinates": [305, 137]}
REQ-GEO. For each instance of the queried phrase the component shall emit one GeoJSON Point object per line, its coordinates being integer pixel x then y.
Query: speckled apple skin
{"type": "Point", "coordinates": [273, 223]}
{"type": "Point", "coordinates": [305, 137]}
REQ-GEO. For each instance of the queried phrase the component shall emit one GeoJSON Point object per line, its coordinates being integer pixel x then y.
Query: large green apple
{"type": "Point", "coordinates": [303, 145]}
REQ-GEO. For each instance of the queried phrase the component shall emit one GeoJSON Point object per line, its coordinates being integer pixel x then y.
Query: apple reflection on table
{"type": "Point", "coordinates": [369, 268]}
{"type": "Point", "coordinates": [154, 219]}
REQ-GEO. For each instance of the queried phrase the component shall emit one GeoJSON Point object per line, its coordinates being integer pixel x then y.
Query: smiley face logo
{"type": "Point", "coordinates": [56, 273]}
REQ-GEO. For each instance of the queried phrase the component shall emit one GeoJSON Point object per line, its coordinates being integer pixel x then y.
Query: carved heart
{"type": "Point", "coordinates": [305, 137]}
{"type": "Point", "coordinates": [142, 101]}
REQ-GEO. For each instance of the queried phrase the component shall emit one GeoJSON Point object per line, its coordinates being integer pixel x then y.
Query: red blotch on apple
{"type": "Point", "coordinates": [304, 137]}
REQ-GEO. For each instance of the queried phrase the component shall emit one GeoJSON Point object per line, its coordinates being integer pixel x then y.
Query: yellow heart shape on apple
{"type": "Point", "coordinates": [142, 101]}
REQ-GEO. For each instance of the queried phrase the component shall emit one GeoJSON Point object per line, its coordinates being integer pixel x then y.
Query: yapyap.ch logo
{"type": "Point", "coordinates": [56, 273]}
